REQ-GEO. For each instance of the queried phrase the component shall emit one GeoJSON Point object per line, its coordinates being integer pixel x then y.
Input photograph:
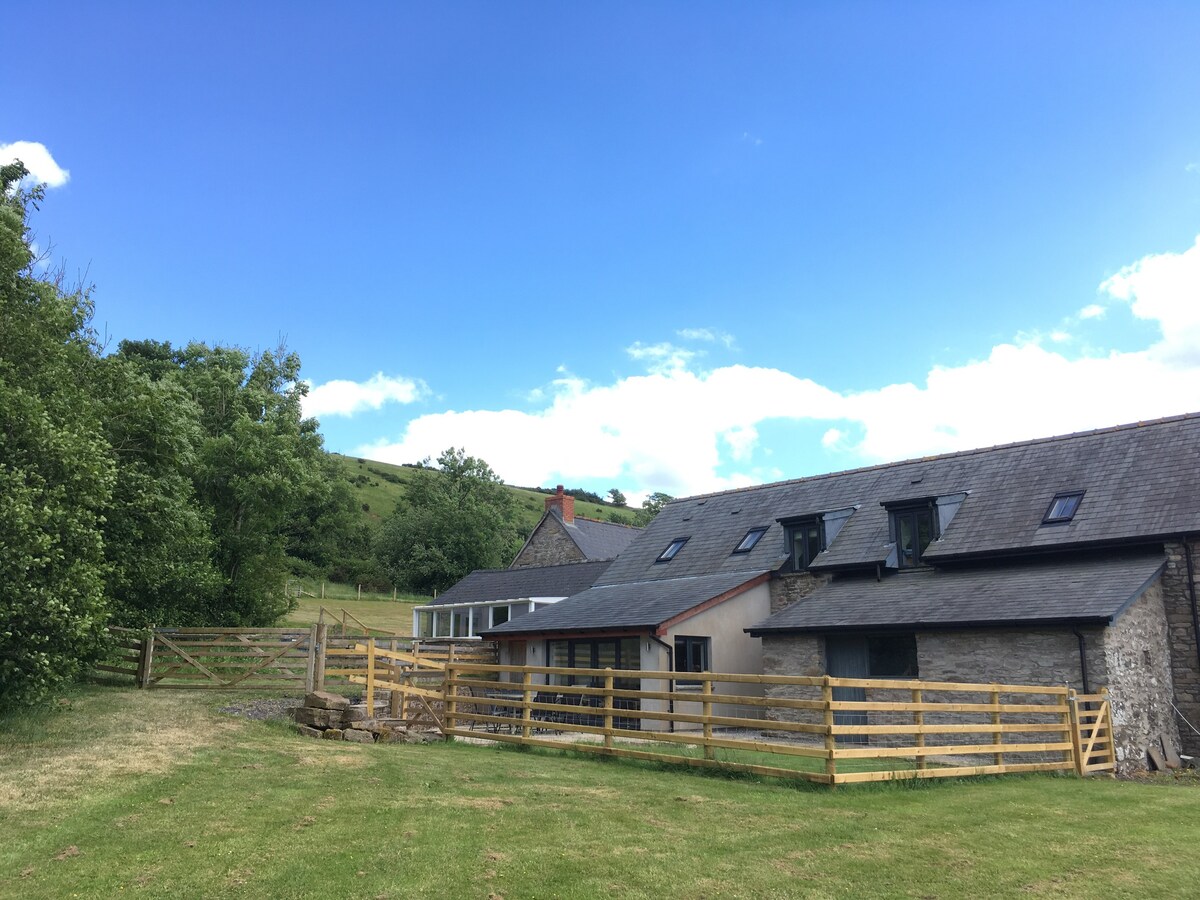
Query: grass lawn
{"type": "Point", "coordinates": [154, 794]}
{"type": "Point", "coordinates": [390, 615]}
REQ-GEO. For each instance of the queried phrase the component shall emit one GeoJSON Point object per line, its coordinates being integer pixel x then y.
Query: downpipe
{"type": "Point", "coordinates": [671, 682]}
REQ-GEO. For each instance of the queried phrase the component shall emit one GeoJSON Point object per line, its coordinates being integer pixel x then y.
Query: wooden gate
{"type": "Point", "coordinates": [228, 658]}
{"type": "Point", "coordinates": [1091, 715]}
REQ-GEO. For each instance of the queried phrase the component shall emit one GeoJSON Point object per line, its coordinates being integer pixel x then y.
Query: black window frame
{"type": "Point", "coordinates": [798, 563]}
{"type": "Point", "coordinates": [691, 644]}
{"type": "Point", "coordinates": [758, 531]}
{"type": "Point", "coordinates": [672, 549]}
{"type": "Point", "coordinates": [1048, 519]}
{"type": "Point", "coordinates": [912, 511]}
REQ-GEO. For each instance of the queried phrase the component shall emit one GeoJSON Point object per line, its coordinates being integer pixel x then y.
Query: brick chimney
{"type": "Point", "coordinates": [563, 504]}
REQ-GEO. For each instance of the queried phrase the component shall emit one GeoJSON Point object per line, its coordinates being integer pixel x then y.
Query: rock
{"type": "Point", "coordinates": [332, 734]}
{"type": "Point", "coordinates": [358, 736]}
{"type": "Point", "coordinates": [357, 713]}
{"type": "Point", "coordinates": [325, 700]}
{"type": "Point", "coordinates": [318, 718]}
{"type": "Point", "coordinates": [308, 731]}
{"type": "Point", "coordinates": [393, 736]}
{"type": "Point", "coordinates": [420, 737]}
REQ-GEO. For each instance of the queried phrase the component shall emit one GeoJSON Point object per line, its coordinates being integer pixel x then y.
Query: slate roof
{"type": "Point", "coordinates": [1072, 590]}
{"type": "Point", "coordinates": [640, 605]}
{"type": "Point", "coordinates": [532, 581]}
{"type": "Point", "coordinates": [1142, 482]}
{"type": "Point", "coordinates": [600, 540]}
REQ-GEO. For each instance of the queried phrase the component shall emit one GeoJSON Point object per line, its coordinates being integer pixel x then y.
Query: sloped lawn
{"type": "Point", "coordinates": [123, 793]}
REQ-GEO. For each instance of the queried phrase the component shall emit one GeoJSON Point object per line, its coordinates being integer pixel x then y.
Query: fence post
{"type": "Point", "coordinates": [322, 646]}
{"type": "Point", "coordinates": [608, 707]}
{"type": "Point", "coordinates": [526, 699]}
{"type": "Point", "coordinates": [146, 660]}
{"type": "Point", "coordinates": [394, 694]}
{"type": "Point", "coordinates": [830, 739]}
{"type": "Point", "coordinates": [1077, 750]}
{"type": "Point", "coordinates": [919, 721]}
{"type": "Point", "coordinates": [449, 692]}
{"type": "Point", "coordinates": [1068, 756]}
{"type": "Point", "coordinates": [370, 677]}
{"type": "Point", "coordinates": [710, 752]}
{"type": "Point", "coordinates": [310, 670]}
{"type": "Point", "coordinates": [997, 736]}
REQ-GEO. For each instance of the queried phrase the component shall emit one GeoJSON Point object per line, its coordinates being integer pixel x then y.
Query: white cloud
{"type": "Point", "coordinates": [711, 335]}
{"type": "Point", "coordinates": [682, 430]}
{"type": "Point", "coordinates": [37, 159]}
{"type": "Point", "coordinates": [664, 357]}
{"type": "Point", "coordinates": [1093, 311]}
{"type": "Point", "coordinates": [345, 398]}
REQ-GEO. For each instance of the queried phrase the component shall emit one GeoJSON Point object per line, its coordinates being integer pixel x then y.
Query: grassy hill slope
{"type": "Point", "coordinates": [379, 486]}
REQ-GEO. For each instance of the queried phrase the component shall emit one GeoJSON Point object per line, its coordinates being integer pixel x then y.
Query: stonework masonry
{"type": "Point", "coordinates": [549, 545]}
{"type": "Point", "coordinates": [1185, 665]}
{"type": "Point", "coordinates": [1138, 662]}
{"type": "Point", "coordinates": [788, 587]}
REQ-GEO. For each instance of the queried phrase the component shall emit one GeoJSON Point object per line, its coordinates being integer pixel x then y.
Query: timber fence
{"type": "Point", "coordinates": [787, 726]}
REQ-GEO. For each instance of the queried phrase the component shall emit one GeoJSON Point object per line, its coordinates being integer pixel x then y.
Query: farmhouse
{"type": "Point", "coordinates": [1066, 560]}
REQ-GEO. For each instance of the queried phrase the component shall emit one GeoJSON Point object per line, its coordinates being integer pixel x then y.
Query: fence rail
{"type": "Point", "coordinates": [790, 726]}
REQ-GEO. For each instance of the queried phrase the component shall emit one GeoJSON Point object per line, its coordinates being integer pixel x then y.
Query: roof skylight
{"type": "Point", "coordinates": [1062, 507]}
{"type": "Point", "coordinates": [672, 549]}
{"type": "Point", "coordinates": [752, 537]}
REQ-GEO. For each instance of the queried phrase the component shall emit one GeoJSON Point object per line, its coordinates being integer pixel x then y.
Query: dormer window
{"type": "Point", "coordinates": [672, 550]}
{"type": "Point", "coordinates": [1062, 508]}
{"type": "Point", "coordinates": [913, 528]}
{"type": "Point", "coordinates": [753, 536]}
{"type": "Point", "coordinates": [805, 540]}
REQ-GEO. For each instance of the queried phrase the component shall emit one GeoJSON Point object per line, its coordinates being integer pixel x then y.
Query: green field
{"type": "Point", "coordinates": [386, 614]}
{"type": "Point", "coordinates": [154, 794]}
{"type": "Point", "coordinates": [378, 485]}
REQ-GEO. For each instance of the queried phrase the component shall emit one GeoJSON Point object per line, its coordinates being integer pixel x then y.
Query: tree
{"type": "Point", "coordinates": [452, 520]}
{"type": "Point", "coordinates": [651, 507]}
{"type": "Point", "coordinates": [56, 475]}
{"type": "Point", "coordinates": [256, 464]}
{"type": "Point", "coordinates": [615, 497]}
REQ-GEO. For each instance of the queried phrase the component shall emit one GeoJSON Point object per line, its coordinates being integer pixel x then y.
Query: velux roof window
{"type": "Point", "coordinates": [1062, 508]}
{"type": "Point", "coordinates": [672, 549]}
{"type": "Point", "coordinates": [752, 537]}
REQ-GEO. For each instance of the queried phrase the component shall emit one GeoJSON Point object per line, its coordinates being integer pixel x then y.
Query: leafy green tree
{"type": "Point", "coordinates": [157, 536]}
{"type": "Point", "coordinates": [615, 497]}
{"type": "Point", "coordinates": [257, 462]}
{"type": "Point", "coordinates": [651, 507]}
{"type": "Point", "coordinates": [451, 521]}
{"type": "Point", "coordinates": [56, 475]}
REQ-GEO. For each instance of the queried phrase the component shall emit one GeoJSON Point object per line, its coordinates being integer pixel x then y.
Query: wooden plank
{"type": "Point", "coordinates": [961, 687]}
{"type": "Point", "coordinates": [159, 636]}
{"type": "Point", "coordinates": [949, 772]}
{"type": "Point", "coordinates": [946, 750]}
{"type": "Point", "coordinates": [103, 668]}
{"type": "Point", "coordinates": [937, 728]}
{"type": "Point", "coordinates": [640, 754]}
{"type": "Point", "coordinates": [873, 706]}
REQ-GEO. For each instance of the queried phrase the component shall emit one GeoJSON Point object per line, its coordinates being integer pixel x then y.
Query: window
{"type": "Point", "coordinates": [748, 542]}
{"type": "Point", "coordinates": [691, 655]}
{"type": "Point", "coordinates": [499, 615]}
{"type": "Point", "coordinates": [892, 656]}
{"type": "Point", "coordinates": [672, 550]}
{"type": "Point", "coordinates": [1062, 508]}
{"type": "Point", "coordinates": [805, 540]}
{"type": "Point", "coordinates": [913, 528]}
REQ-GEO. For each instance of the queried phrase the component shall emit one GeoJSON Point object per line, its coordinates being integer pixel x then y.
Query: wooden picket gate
{"type": "Point", "coordinates": [1091, 716]}
{"type": "Point", "coordinates": [216, 658]}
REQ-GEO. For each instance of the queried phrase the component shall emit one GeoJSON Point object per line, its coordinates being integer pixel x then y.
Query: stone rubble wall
{"type": "Point", "coordinates": [1185, 664]}
{"type": "Point", "coordinates": [549, 545]}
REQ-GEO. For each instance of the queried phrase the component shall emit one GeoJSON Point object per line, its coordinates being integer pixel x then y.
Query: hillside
{"type": "Point", "coordinates": [378, 486]}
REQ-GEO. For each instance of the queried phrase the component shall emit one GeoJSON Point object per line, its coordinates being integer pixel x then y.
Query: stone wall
{"type": "Point", "coordinates": [1138, 677]}
{"type": "Point", "coordinates": [1185, 665]}
{"type": "Point", "coordinates": [788, 587]}
{"type": "Point", "coordinates": [549, 545]}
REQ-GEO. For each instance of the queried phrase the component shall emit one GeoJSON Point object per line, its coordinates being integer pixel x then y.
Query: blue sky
{"type": "Point", "coordinates": [666, 246]}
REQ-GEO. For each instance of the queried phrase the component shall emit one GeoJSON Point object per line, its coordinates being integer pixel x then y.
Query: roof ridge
{"type": "Point", "coordinates": [1129, 426]}
{"type": "Point", "coordinates": [603, 522]}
